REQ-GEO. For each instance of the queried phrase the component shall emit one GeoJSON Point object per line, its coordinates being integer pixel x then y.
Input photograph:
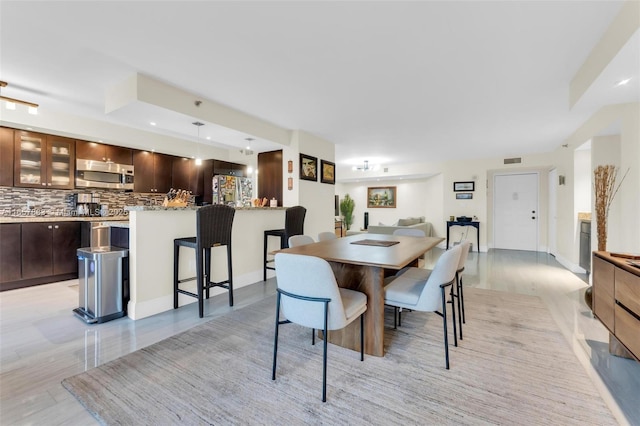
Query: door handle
{"type": "Point", "coordinates": [533, 217]}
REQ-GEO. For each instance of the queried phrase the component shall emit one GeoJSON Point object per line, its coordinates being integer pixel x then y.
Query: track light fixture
{"type": "Point", "coordinates": [33, 108]}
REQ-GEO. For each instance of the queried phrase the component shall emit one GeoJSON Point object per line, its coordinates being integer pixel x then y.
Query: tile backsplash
{"type": "Point", "coordinates": [36, 202]}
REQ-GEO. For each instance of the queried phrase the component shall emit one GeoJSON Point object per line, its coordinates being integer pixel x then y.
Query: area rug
{"type": "Point", "coordinates": [513, 367]}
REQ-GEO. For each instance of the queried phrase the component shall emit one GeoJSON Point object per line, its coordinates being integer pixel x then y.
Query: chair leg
{"type": "Point", "coordinates": [176, 254]}
{"type": "Point", "coordinates": [207, 271]}
{"type": "Point", "coordinates": [444, 323]}
{"type": "Point", "coordinates": [230, 272]}
{"type": "Point", "coordinates": [459, 297]}
{"type": "Point", "coordinates": [275, 338]}
{"type": "Point", "coordinates": [324, 355]}
{"type": "Point", "coordinates": [200, 281]}
{"type": "Point", "coordinates": [313, 337]}
{"type": "Point", "coordinates": [400, 317]}
{"type": "Point", "coordinates": [362, 337]}
{"type": "Point", "coordinates": [453, 317]}
{"type": "Point", "coordinates": [395, 317]}
{"type": "Point", "coordinates": [264, 275]}
{"type": "Point", "coordinates": [462, 299]}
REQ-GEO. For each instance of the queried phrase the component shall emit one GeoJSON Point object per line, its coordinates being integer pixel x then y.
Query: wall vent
{"type": "Point", "coordinates": [385, 170]}
{"type": "Point", "coordinates": [516, 160]}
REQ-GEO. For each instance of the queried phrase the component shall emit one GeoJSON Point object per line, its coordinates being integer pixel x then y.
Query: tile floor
{"type": "Point", "coordinates": [41, 342]}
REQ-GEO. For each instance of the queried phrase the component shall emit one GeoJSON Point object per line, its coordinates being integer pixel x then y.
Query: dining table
{"type": "Point", "coordinates": [361, 262]}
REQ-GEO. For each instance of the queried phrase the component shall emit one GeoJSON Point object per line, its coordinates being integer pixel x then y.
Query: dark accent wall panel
{"type": "Point", "coordinates": [270, 175]}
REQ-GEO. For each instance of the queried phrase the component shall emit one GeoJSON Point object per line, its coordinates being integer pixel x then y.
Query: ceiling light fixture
{"type": "Point", "coordinates": [33, 108]}
{"type": "Point", "coordinates": [364, 168]}
{"type": "Point", "coordinates": [198, 159]}
{"type": "Point", "coordinates": [623, 82]}
{"type": "Point", "coordinates": [247, 150]}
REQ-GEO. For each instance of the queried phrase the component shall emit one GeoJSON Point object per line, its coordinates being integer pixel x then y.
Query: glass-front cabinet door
{"type": "Point", "coordinates": [60, 162]}
{"type": "Point", "coordinates": [44, 161]}
{"type": "Point", "coordinates": [30, 156]}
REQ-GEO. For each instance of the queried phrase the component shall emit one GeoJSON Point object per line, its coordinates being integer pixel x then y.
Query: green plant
{"type": "Point", "coordinates": [346, 208]}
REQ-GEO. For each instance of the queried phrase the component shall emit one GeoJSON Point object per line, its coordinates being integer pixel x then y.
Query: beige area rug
{"type": "Point", "coordinates": [513, 367]}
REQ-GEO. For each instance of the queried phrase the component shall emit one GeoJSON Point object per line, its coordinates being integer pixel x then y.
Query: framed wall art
{"type": "Point", "coordinates": [308, 167]}
{"type": "Point", "coordinates": [328, 172]}
{"type": "Point", "coordinates": [381, 196]}
{"type": "Point", "coordinates": [464, 186]}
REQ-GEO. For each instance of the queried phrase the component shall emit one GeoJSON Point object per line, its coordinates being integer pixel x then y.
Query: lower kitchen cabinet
{"type": "Point", "coordinates": [40, 252]}
{"type": "Point", "coordinates": [10, 268]}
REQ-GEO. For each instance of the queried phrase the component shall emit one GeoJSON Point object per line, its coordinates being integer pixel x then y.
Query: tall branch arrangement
{"type": "Point", "coordinates": [606, 189]}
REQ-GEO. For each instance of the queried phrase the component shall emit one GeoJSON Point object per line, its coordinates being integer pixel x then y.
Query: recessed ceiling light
{"type": "Point", "coordinates": [153, 150]}
{"type": "Point", "coordinates": [208, 138]}
{"type": "Point", "coordinates": [153, 123]}
{"type": "Point", "coordinates": [623, 82]}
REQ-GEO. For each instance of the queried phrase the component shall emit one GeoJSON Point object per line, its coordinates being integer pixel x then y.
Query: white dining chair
{"type": "Point", "coordinates": [428, 295]}
{"type": "Point", "coordinates": [309, 295]}
{"type": "Point", "coordinates": [324, 236]}
{"type": "Point", "coordinates": [300, 240]}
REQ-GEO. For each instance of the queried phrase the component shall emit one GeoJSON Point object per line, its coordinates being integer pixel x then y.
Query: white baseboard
{"type": "Point", "coordinates": [140, 310]}
{"type": "Point", "coordinates": [576, 269]}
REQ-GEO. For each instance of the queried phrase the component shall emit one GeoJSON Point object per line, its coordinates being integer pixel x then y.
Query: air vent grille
{"type": "Point", "coordinates": [515, 160]}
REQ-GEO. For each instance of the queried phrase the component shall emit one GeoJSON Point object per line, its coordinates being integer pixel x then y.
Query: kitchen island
{"type": "Point", "coordinates": [152, 230]}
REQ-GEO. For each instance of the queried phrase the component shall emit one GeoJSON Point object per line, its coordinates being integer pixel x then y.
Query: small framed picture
{"type": "Point", "coordinates": [464, 186]}
{"type": "Point", "coordinates": [464, 196]}
{"type": "Point", "coordinates": [328, 172]}
{"type": "Point", "coordinates": [308, 167]}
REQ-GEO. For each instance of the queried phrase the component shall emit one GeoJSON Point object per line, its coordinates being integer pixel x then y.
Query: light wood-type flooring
{"type": "Point", "coordinates": [41, 342]}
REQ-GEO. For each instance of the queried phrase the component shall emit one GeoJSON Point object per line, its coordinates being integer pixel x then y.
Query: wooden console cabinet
{"type": "Point", "coordinates": [616, 300]}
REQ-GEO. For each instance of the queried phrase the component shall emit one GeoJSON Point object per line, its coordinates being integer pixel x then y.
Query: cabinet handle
{"type": "Point", "coordinates": [104, 159]}
{"type": "Point", "coordinates": [56, 227]}
{"type": "Point", "coordinates": [49, 184]}
{"type": "Point", "coordinates": [44, 184]}
{"type": "Point", "coordinates": [108, 159]}
{"type": "Point", "coordinates": [49, 227]}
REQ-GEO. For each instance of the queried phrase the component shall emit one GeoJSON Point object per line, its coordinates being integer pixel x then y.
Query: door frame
{"type": "Point", "coordinates": [493, 218]}
{"type": "Point", "coordinates": [552, 213]}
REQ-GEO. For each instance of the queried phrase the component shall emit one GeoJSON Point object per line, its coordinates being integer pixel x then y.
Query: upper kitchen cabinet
{"type": "Point", "coordinates": [43, 160]}
{"type": "Point", "coordinates": [6, 156]}
{"type": "Point", "coordinates": [185, 174]}
{"type": "Point", "coordinates": [103, 152]}
{"type": "Point", "coordinates": [152, 171]}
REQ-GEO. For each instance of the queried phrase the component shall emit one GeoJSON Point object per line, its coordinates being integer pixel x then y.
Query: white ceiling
{"type": "Point", "coordinates": [388, 82]}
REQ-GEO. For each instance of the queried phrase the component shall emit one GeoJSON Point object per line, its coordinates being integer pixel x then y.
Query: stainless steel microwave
{"type": "Point", "coordinates": [100, 174]}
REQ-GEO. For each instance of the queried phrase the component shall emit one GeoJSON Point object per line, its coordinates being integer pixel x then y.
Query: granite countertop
{"type": "Point", "coordinates": [35, 219]}
{"type": "Point", "coordinates": [162, 208]}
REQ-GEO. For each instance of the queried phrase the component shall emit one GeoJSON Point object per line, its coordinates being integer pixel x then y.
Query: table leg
{"type": "Point", "coordinates": [370, 281]}
{"type": "Point", "coordinates": [448, 226]}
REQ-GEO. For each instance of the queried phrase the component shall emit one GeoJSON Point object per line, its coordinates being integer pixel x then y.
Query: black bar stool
{"type": "Point", "coordinates": [213, 228]}
{"type": "Point", "coordinates": [293, 225]}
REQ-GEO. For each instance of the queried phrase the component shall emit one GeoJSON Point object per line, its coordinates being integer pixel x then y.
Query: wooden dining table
{"type": "Point", "coordinates": [363, 265]}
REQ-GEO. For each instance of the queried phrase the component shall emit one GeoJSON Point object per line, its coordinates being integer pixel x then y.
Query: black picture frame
{"type": "Point", "coordinates": [308, 168]}
{"type": "Point", "coordinates": [464, 186]}
{"type": "Point", "coordinates": [327, 172]}
{"type": "Point", "coordinates": [464, 196]}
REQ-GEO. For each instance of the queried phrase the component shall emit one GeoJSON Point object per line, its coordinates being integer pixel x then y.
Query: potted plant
{"type": "Point", "coordinates": [346, 208]}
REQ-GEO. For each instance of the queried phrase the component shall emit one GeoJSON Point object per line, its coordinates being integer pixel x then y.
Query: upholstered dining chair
{"type": "Point", "coordinates": [428, 295]}
{"type": "Point", "coordinates": [324, 236]}
{"type": "Point", "coordinates": [410, 232]}
{"type": "Point", "coordinates": [300, 240]}
{"type": "Point", "coordinates": [308, 294]}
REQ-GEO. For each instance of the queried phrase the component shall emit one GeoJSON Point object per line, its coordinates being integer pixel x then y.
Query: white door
{"type": "Point", "coordinates": [515, 211]}
{"type": "Point", "coordinates": [553, 216]}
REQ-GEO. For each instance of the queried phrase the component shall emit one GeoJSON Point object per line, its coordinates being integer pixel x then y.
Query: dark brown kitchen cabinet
{"type": "Point", "coordinates": [10, 268]}
{"type": "Point", "coordinates": [49, 249]}
{"type": "Point", "coordinates": [185, 174]}
{"type": "Point", "coordinates": [6, 156]}
{"type": "Point", "coordinates": [152, 171]}
{"type": "Point", "coordinates": [103, 152]}
{"type": "Point", "coordinates": [43, 161]}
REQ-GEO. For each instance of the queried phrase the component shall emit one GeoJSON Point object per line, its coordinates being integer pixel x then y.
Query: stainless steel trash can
{"type": "Point", "coordinates": [101, 279]}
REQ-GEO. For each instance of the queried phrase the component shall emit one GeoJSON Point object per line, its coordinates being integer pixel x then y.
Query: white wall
{"type": "Point", "coordinates": [582, 175]}
{"type": "Point", "coordinates": [316, 197]}
{"type": "Point", "coordinates": [606, 151]}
